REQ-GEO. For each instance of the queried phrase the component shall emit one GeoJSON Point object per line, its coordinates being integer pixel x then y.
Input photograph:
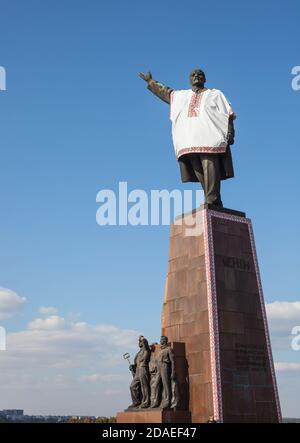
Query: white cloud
{"type": "Point", "coordinates": [282, 317]}
{"type": "Point", "coordinates": [95, 378]}
{"type": "Point", "coordinates": [53, 322]}
{"type": "Point", "coordinates": [286, 366]}
{"type": "Point", "coordinates": [78, 367]}
{"type": "Point", "coordinates": [47, 310]}
{"type": "Point", "coordinates": [72, 364]}
{"type": "Point", "coordinates": [283, 310]}
{"type": "Point", "coordinates": [10, 303]}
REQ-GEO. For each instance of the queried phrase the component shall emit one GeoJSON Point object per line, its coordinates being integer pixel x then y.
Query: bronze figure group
{"type": "Point", "coordinates": [154, 383]}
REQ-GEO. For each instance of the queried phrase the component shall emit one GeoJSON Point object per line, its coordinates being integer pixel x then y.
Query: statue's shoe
{"type": "Point", "coordinates": [145, 405]}
{"type": "Point", "coordinates": [134, 405]}
{"type": "Point", "coordinates": [165, 406]}
{"type": "Point", "coordinates": [155, 405]}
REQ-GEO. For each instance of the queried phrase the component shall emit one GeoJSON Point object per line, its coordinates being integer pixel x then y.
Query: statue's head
{"type": "Point", "coordinates": [143, 342]}
{"type": "Point", "coordinates": [197, 77]}
{"type": "Point", "coordinates": [163, 340]}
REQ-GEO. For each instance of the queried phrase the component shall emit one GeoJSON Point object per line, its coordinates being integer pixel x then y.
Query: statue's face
{"type": "Point", "coordinates": [141, 342]}
{"type": "Point", "coordinates": [163, 340]}
{"type": "Point", "coordinates": [197, 77]}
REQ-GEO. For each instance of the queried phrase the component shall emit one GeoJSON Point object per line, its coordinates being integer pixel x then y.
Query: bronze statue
{"type": "Point", "coordinates": [202, 129]}
{"type": "Point", "coordinates": [154, 381]}
{"type": "Point", "coordinates": [155, 386]}
{"type": "Point", "coordinates": [140, 386]}
{"type": "Point", "coordinates": [164, 388]}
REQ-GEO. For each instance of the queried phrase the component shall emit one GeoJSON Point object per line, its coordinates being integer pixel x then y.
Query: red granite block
{"type": "Point", "coordinates": [230, 301]}
{"type": "Point", "coordinates": [226, 375]}
{"type": "Point", "coordinates": [265, 412]}
{"type": "Point", "coordinates": [225, 227]}
{"type": "Point", "coordinates": [176, 247]}
{"type": "Point", "coordinates": [174, 318]}
{"type": "Point", "coordinates": [178, 264]}
{"type": "Point", "coordinates": [198, 343]}
{"type": "Point", "coordinates": [172, 332]}
{"type": "Point", "coordinates": [201, 398]}
{"type": "Point", "coordinates": [154, 416]}
{"type": "Point", "coordinates": [202, 275]}
{"type": "Point", "coordinates": [179, 303]}
{"type": "Point", "coordinates": [197, 262]}
{"type": "Point", "coordinates": [246, 245]}
{"type": "Point", "coordinates": [195, 324]}
{"type": "Point", "coordinates": [178, 349]}
{"type": "Point", "coordinates": [264, 394]}
{"type": "Point", "coordinates": [259, 378]}
{"type": "Point", "coordinates": [199, 418]}
{"type": "Point", "coordinates": [221, 227]}
{"type": "Point", "coordinates": [251, 322]}
{"type": "Point", "coordinates": [169, 306]}
{"type": "Point", "coordinates": [228, 358]}
{"type": "Point", "coordinates": [229, 340]}
{"type": "Point", "coordinates": [199, 363]}
{"type": "Point", "coordinates": [176, 229]}
{"type": "Point", "coordinates": [192, 281]}
{"type": "Point", "coordinates": [194, 304]}
{"type": "Point", "coordinates": [202, 289]}
{"type": "Point", "coordinates": [231, 322]}
{"type": "Point", "coordinates": [177, 284]}
{"type": "Point", "coordinates": [246, 282]}
{"type": "Point", "coordinates": [255, 337]}
{"type": "Point", "coordinates": [230, 280]}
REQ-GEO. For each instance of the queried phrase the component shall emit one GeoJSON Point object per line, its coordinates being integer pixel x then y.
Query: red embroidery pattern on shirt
{"type": "Point", "coordinates": [194, 104]}
{"type": "Point", "coordinates": [203, 149]}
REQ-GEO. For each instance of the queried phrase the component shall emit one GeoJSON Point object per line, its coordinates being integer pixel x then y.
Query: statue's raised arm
{"type": "Point", "coordinates": [159, 89]}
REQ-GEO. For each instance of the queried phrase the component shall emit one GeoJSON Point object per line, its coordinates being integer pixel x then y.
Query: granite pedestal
{"type": "Point", "coordinates": [214, 304]}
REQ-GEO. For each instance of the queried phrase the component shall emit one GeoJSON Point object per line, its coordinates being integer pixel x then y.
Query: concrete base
{"type": "Point", "coordinates": [153, 416]}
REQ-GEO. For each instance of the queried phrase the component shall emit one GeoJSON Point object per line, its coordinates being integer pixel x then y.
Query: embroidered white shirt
{"type": "Point", "coordinates": [199, 121]}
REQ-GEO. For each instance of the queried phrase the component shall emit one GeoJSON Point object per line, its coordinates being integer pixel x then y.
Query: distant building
{"type": "Point", "coordinates": [12, 412]}
{"type": "Point", "coordinates": [291, 420]}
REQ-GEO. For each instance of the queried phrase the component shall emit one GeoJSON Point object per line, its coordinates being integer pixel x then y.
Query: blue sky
{"type": "Point", "coordinates": [76, 118]}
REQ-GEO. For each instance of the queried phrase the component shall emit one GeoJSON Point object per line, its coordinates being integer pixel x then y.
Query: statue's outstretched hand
{"type": "Point", "coordinates": [147, 76]}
